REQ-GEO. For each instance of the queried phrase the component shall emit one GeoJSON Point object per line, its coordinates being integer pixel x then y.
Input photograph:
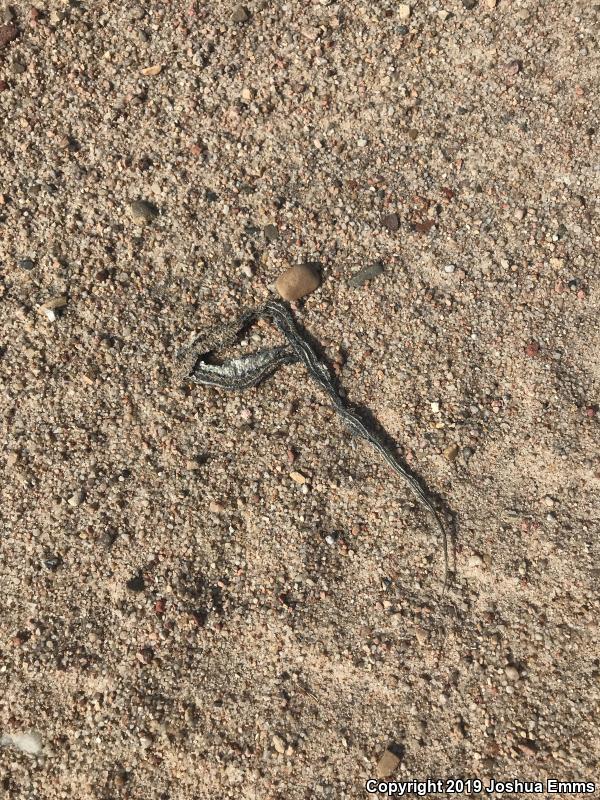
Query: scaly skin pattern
{"type": "Point", "coordinates": [250, 370]}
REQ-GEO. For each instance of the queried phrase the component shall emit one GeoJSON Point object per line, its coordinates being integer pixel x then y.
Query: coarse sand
{"type": "Point", "coordinates": [224, 595]}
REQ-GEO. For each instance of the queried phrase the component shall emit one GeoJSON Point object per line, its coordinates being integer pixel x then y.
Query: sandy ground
{"type": "Point", "coordinates": [180, 618]}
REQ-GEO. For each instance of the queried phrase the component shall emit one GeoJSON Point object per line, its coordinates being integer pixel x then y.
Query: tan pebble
{"type": "Point", "coordinates": [512, 673]}
{"type": "Point", "coordinates": [404, 11]}
{"type": "Point", "coordinates": [278, 744]}
{"type": "Point", "coordinates": [298, 477]}
{"type": "Point", "coordinates": [152, 71]}
{"type": "Point", "coordinates": [435, 407]}
{"type": "Point", "coordinates": [192, 464]}
{"type": "Point", "coordinates": [215, 508]}
{"type": "Point", "coordinates": [475, 561]}
{"type": "Point", "coordinates": [298, 281]}
{"type": "Point", "coordinates": [12, 459]}
{"type": "Point", "coordinates": [451, 452]}
{"type": "Point", "coordinates": [388, 763]}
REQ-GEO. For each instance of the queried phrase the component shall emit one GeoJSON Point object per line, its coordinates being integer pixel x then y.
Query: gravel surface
{"type": "Point", "coordinates": [185, 617]}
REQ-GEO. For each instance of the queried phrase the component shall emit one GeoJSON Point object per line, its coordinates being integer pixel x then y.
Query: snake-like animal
{"type": "Point", "coordinates": [250, 370]}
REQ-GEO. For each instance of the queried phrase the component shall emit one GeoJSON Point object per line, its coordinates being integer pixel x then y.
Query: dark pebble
{"type": "Point", "coordinates": [469, 4]}
{"type": "Point", "coordinates": [26, 263]}
{"type": "Point", "coordinates": [3, 86]}
{"type": "Point", "coordinates": [52, 562]}
{"type": "Point", "coordinates": [368, 273]}
{"type": "Point", "coordinates": [136, 584]}
{"type": "Point", "coordinates": [271, 233]}
{"type": "Point", "coordinates": [18, 68]}
{"type": "Point", "coordinates": [403, 30]}
{"type": "Point", "coordinates": [391, 222]}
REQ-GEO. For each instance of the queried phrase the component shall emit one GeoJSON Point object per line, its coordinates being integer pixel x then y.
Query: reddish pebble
{"type": "Point", "coordinates": [3, 86]}
{"type": "Point", "coordinates": [291, 456]}
{"type": "Point", "coordinates": [532, 349]}
{"type": "Point", "coordinates": [591, 411]}
{"type": "Point", "coordinates": [160, 606]}
{"type": "Point", "coordinates": [7, 34]}
{"type": "Point", "coordinates": [196, 150]}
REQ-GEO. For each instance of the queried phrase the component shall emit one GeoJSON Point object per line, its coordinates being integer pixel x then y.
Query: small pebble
{"type": "Point", "coordinates": [449, 268]}
{"type": "Point", "coordinates": [330, 540]}
{"type": "Point", "coordinates": [7, 34]}
{"type": "Point", "coordinates": [240, 14]}
{"type": "Point", "coordinates": [469, 4]}
{"type": "Point", "coordinates": [532, 349]}
{"type": "Point", "coordinates": [475, 561]}
{"type": "Point", "coordinates": [366, 274]}
{"type": "Point", "coordinates": [512, 673]}
{"type": "Point", "coordinates": [387, 764]}
{"type": "Point", "coordinates": [278, 744]}
{"type": "Point", "coordinates": [50, 307]}
{"type": "Point", "coordinates": [451, 452]}
{"type": "Point", "coordinates": [435, 407]}
{"type": "Point", "coordinates": [30, 743]}
{"type": "Point", "coordinates": [391, 222]}
{"type": "Point", "coordinates": [215, 508]}
{"type": "Point", "coordinates": [76, 499]}
{"type": "Point", "coordinates": [26, 263]}
{"type": "Point", "coordinates": [298, 477]}
{"type": "Point", "coordinates": [271, 233]}
{"type": "Point", "coordinates": [298, 281]}
{"type": "Point", "coordinates": [404, 11]}
{"type": "Point", "coordinates": [136, 584]}
{"type": "Point", "coordinates": [142, 211]}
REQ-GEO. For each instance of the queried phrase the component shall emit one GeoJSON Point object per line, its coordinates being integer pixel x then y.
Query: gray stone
{"type": "Point", "coordinates": [240, 14]}
{"type": "Point", "coordinates": [271, 233]}
{"type": "Point", "coordinates": [142, 211]}
{"type": "Point", "coordinates": [366, 274]}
